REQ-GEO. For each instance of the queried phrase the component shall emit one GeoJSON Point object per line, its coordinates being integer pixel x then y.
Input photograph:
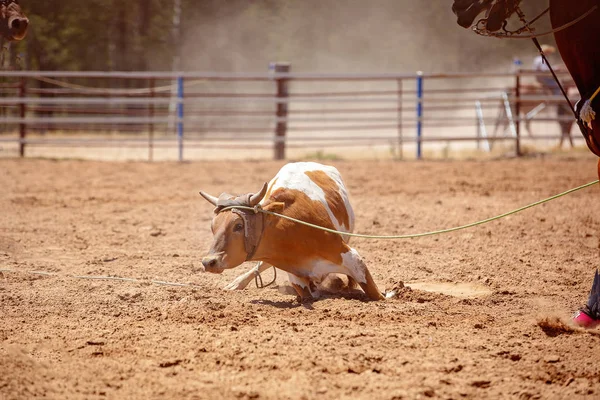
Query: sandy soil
{"type": "Point", "coordinates": [497, 335]}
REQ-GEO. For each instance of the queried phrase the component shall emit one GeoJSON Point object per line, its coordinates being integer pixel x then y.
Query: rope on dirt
{"type": "Point", "coordinates": [415, 235]}
{"type": "Point", "coordinates": [102, 277]}
{"type": "Point", "coordinates": [165, 283]}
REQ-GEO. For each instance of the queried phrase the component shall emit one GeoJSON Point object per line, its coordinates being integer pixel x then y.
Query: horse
{"type": "Point", "coordinates": [528, 107]}
{"type": "Point", "coordinates": [578, 46]}
{"type": "Point", "coordinates": [576, 29]}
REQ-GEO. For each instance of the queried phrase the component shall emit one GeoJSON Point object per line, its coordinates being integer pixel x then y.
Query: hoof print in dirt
{"type": "Point", "coordinates": [155, 232]}
{"type": "Point", "coordinates": [482, 384]}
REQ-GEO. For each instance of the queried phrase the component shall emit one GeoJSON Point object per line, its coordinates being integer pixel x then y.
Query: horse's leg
{"type": "Point", "coordinates": [561, 140]}
{"type": "Point", "coordinates": [528, 126]}
{"type": "Point", "coordinates": [565, 126]}
{"type": "Point", "coordinates": [565, 133]}
{"type": "Point", "coordinates": [500, 121]}
{"type": "Point", "coordinates": [570, 136]}
{"type": "Point", "coordinates": [568, 127]}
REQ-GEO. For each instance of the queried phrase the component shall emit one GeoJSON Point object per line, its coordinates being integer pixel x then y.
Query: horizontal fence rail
{"type": "Point", "coordinates": [277, 110]}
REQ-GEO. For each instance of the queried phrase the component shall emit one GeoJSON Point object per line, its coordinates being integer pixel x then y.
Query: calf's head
{"type": "Point", "coordinates": [236, 233]}
{"type": "Point", "coordinates": [13, 23]}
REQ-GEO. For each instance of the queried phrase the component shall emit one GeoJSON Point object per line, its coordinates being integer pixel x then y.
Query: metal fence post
{"type": "Point", "coordinates": [22, 112]}
{"type": "Point", "coordinates": [419, 112]}
{"type": "Point", "coordinates": [478, 124]}
{"type": "Point", "coordinates": [180, 116]}
{"type": "Point", "coordinates": [518, 112]}
{"type": "Point", "coordinates": [281, 112]}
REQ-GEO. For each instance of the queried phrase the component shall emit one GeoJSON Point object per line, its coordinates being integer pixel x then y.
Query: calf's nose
{"type": "Point", "coordinates": [209, 262]}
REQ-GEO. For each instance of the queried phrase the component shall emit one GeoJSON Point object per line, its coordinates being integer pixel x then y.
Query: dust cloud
{"type": "Point", "coordinates": [384, 36]}
{"type": "Point", "coordinates": [328, 36]}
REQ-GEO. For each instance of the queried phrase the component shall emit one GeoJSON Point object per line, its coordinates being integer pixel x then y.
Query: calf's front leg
{"type": "Point", "coordinates": [243, 280]}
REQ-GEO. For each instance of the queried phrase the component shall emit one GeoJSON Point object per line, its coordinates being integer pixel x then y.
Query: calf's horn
{"type": "Point", "coordinates": [211, 199]}
{"type": "Point", "coordinates": [257, 197]}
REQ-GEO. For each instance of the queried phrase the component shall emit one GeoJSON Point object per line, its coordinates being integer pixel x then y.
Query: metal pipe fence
{"type": "Point", "coordinates": [277, 110]}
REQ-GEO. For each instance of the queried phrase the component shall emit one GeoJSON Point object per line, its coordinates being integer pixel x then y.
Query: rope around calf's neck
{"type": "Point", "coordinates": [415, 235]}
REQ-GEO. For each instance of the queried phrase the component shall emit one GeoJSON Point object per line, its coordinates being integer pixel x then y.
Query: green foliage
{"type": "Point", "coordinates": [97, 35]}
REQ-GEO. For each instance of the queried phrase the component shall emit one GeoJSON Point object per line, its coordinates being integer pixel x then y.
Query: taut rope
{"type": "Point", "coordinates": [415, 235]}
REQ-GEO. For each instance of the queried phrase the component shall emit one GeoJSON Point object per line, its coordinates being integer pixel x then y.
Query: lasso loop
{"type": "Point", "coordinates": [258, 277]}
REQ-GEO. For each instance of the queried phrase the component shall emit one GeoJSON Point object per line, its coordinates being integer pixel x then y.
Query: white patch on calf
{"type": "Point", "coordinates": [296, 281]}
{"type": "Point", "coordinates": [352, 265]}
{"type": "Point", "coordinates": [321, 268]}
{"type": "Point", "coordinates": [293, 176]}
{"type": "Point", "coordinates": [356, 267]}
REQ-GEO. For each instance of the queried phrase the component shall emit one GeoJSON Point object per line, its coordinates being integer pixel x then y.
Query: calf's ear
{"type": "Point", "coordinates": [276, 207]}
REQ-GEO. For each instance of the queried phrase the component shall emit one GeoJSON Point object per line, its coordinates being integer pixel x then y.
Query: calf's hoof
{"type": "Point", "coordinates": [238, 284]}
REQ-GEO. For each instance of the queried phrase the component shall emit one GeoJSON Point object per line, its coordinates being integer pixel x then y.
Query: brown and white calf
{"type": "Point", "coordinates": [306, 191]}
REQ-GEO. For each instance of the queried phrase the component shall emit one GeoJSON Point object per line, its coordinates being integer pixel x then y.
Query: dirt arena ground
{"type": "Point", "coordinates": [500, 336]}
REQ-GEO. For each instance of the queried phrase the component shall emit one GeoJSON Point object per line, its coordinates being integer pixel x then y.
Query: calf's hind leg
{"type": "Point", "coordinates": [302, 287]}
{"type": "Point", "coordinates": [358, 271]}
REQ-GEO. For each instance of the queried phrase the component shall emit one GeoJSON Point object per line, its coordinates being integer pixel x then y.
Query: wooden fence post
{"type": "Point", "coordinates": [22, 112]}
{"type": "Point", "coordinates": [281, 108]}
{"type": "Point", "coordinates": [400, 138]}
{"type": "Point", "coordinates": [151, 124]}
{"type": "Point", "coordinates": [518, 112]}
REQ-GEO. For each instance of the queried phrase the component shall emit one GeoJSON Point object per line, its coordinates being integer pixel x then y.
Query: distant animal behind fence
{"type": "Point", "coordinates": [529, 109]}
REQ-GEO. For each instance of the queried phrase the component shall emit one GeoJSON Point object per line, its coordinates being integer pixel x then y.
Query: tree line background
{"type": "Point", "coordinates": [245, 35]}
